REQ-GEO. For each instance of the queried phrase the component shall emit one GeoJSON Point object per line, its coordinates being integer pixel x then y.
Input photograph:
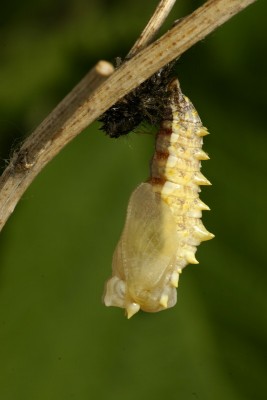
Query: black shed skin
{"type": "Point", "coordinates": [146, 103]}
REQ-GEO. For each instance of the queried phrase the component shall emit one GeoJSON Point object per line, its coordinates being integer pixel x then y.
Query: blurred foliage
{"type": "Point", "coordinates": [57, 340]}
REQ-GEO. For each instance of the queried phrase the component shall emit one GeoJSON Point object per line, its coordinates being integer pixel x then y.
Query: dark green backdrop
{"type": "Point", "coordinates": [57, 340]}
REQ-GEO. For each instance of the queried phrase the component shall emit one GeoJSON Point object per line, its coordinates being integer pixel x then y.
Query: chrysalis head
{"type": "Point", "coordinates": [143, 268]}
{"type": "Point", "coordinates": [135, 297]}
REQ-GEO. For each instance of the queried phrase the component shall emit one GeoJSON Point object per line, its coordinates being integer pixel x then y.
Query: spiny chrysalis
{"type": "Point", "coordinates": [163, 223]}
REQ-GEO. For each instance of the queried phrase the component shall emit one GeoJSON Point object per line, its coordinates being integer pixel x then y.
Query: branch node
{"type": "Point", "coordinates": [22, 161]}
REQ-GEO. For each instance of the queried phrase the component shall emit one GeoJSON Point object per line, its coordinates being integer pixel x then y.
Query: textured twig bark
{"type": "Point", "coordinates": [81, 106]}
{"type": "Point", "coordinates": [46, 141]}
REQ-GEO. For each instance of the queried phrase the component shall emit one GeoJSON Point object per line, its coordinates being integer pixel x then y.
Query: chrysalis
{"type": "Point", "coordinates": [163, 224]}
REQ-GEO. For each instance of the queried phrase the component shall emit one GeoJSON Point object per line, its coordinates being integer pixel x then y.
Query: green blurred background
{"type": "Point", "coordinates": [57, 340]}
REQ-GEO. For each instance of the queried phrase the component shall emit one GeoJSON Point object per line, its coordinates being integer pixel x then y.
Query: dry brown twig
{"type": "Point", "coordinates": [161, 13]}
{"type": "Point", "coordinates": [101, 88]}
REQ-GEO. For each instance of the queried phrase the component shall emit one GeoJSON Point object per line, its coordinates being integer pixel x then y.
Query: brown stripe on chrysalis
{"type": "Point", "coordinates": [163, 224]}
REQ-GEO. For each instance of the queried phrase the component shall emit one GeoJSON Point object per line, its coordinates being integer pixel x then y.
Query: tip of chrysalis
{"type": "Point", "coordinates": [200, 205]}
{"type": "Point", "coordinates": [175, 279]}
{"type": "Point", "coordinates": [164, 300]}
{"type": "Point", "coordinates": [202, 234]}
{"type": "Point", "coordinates": [201, 155]}
{"type": "Point", "coordinates": [191, 259]}
{"type": "Point", "coordinates": [203, 132]}
{"type": "Point", "coordinates": [174, 83]}
{"type": "Point", "coordinates": [200, 179]}
{"type": "Point", "coordinates": [132, 309]}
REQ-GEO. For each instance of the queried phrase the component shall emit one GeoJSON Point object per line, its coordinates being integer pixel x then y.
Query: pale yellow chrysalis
{"type": "Point", "coordinates": [163, 226]}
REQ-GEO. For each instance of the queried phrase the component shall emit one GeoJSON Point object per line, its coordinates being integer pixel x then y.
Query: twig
{"type": "Point", "coordinates": [162, 11]}
{"type": "Point", "coordinates": [46, 141]}
{"type": "Point", "coordinates": [81, 107]}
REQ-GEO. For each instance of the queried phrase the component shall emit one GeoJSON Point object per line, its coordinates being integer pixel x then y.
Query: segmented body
{"type": "Point", "coordinates": [163, 224]}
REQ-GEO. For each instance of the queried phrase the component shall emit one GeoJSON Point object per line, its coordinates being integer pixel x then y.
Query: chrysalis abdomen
{"type": "Point", "coordinates": [163, 224]}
